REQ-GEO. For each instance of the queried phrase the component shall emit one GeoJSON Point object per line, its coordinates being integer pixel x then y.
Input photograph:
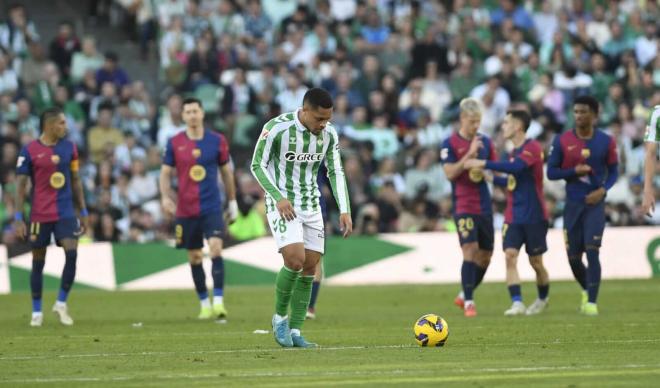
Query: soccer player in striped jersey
{"type": "Point", "coordinates": [587, 160]}
{"type": "Point", "coordinates": [526, 218]}
{"type": "Point", "coordinates": [51, 163]}
{"type": "Point", "coordinates": [196, 154]}
{"type": "Point", "coordinates": [651, 138]}
{"type": "Point", "coordinates": [286, 161]}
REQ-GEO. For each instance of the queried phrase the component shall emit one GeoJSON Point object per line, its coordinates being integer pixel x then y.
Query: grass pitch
{"type": "Point", "coordinates": [154, 339]}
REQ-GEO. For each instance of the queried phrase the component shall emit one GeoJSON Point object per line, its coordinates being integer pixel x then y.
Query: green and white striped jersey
{"type": "Point", "coordinates": [286, 162]}
{"type": "Point", "coordinates": [652, 133]}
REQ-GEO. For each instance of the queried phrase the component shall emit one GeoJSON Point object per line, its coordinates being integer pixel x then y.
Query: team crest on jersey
{"type": "Point", "coordinates": [57, 180]}
{"type": "Point", "coordinates": [197, 173]}
{"type": "Point", "coordinates": [585, 153]}
{"type": "Point", "coordinates": [196, 153]}
{"type": "Point", "coordinates": [303, 157]}
{"type": "Point", "coordinates": [55, 159]}
{"type": "Point", "coordinates": [476, 175]}
{"type": "Point", "coordinates": [511, 183]}
{"type": "Point", "coordinates": [292, 140]}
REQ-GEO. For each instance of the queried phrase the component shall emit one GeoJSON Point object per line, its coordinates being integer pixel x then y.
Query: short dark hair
{"type": "Point", "coordinates": [317, 97]}
{"type": "Point", "coordinates": [521, 116]}
{"type": "Point", "coordinates": [591, 102]}
{"type": "Point", "coordinates": [48, 114]}
{"type": "Point", "coordinates": [112, 56]}
{"type": "Point", "coordinates": [192, 100]}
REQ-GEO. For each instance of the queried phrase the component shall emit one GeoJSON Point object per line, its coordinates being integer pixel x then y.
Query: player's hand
{"type": "Point", "coordinates": [582, 169]}
{"type": "Point", "coordinates": [595, 196]}
{"type": "Point", "coordinates": [21, 229]}
{"type": "Point", "coordinates": [648, 203]}
{"type": "Point", "coordinates": [285, 209]}
{"type": "Point", "coordinates": [168, 206]}
{"type": "Point", "coordinates": [232, 211]}
{"type": "Point", "coordinates": [346, 224]}
{"type": "Point", "coordinates": [475, 145]}
{"type": "Point", "coordinates": [474, 163]}
{"type": "Point", "coordinates": [84, 226]}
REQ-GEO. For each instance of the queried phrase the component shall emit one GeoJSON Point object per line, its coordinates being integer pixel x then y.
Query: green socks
{"type": "Point", "coordinates": [284, 284]}
{"type": "Point", "coordinates": [300, 300]}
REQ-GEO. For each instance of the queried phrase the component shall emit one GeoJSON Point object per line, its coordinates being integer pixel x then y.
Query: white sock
{"type": "Point", "coordinates": [37, 314]}
{"type": "Point", "coordinates": [60, 304]}
{"type": "Point", "coordinates": [218, 300]}
{"type": "Point", "coordinates": [295, 332]}
{"type": "Point", "coordinates": [461, 295]}
{"type": "Point", "coordinates": [279, 318]}
{"type": "Point", "coordinates": [206, 303]}
{"type": "Point", "coordinates": [469, 303]}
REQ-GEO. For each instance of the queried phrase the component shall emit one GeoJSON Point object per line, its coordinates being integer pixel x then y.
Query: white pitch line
{"type": "Point", "coordinates": [469, 373]}
{"type": "Point", "coordinates": [332, 348]}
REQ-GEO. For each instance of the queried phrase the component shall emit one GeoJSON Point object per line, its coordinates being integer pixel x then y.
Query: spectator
{"type": "Point", "coordinates": [111, 71]}
{"type": "Point", "coordinates": [103, 134]}
{"type": "Point", "coordinates": [85, 60]}
{"type": "Point", "coordinates": [17, 33]}
{"type": "Point", "coordinates": [8, 78]}
{"type": "Point", "coordinates": [646, 46]}
{"type": "Point", "coordinates": [33, 67]}
{"type": "Point", "coordinates": [62, 48]}
{"type": "Point", "coordinates": [290, 99]}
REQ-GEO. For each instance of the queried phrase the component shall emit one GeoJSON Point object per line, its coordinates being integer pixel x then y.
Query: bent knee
{"type": "Point", "coordinates": [195, 257]}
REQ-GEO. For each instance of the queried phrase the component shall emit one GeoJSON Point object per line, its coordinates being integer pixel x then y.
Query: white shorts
{"type": "Point", "coordinates": [306, 228]}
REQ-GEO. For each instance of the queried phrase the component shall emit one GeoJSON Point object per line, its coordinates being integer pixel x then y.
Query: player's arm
{"type": "Point", "coordinates": [165, 181]}
{"type": "Point", "coordinates": [259, 165]}
{"type": "Point", "coordinates": [555, 172]}
{"type": "Point", "coordinates": [651, 151]}
{"type": "Point", "coordinates": [23, 171]}
{"type": "Point", "coordinates": [338, 183]}
{"type": "Point", "coordinates": [259, 168]}
{"type": "Point", "coordinates": [227, 173]}
{"type": "Point", "coordinates": [78, 193]}
{"type": "Point", "coordinates": [451, 164]}
{"type": "Point", "coordinates": [597, 195]}
{"type": "Point", "coordinates": [21, 189]}
{"type": "Point", "coordinates": [648, 203]}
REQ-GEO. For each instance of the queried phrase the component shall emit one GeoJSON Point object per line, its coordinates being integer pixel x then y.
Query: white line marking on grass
{"type": "Point", "coordinates": [321, 349]}
{"type": "Point", "coordinates": [458, 374]}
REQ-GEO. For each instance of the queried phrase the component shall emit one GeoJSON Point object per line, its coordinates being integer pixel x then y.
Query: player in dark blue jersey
{"type": "Point", "coordinates": [198, 155]}
{"type": "Point", "coordinates": [51, 164]}
{"type": "Point", "coordinates": [587, 159]}
{"type": "Point", "coordinates": [322, 181]}
{"type": "Point", "coordinates": [472, 205]}
{"type": "Point", "coordinates": [526, 218]}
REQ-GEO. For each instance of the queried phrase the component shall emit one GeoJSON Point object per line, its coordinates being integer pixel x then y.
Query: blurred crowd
{"type": "Point", "coordinates": [396, 69]}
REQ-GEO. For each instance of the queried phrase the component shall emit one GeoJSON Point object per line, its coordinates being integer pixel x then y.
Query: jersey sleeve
{"type": "Point", "coordinates": [447, 154]}
{"type": "Point", "coordinates": [531, 154]}
{"type": "Point", "coordinates": [223, 151]}
{"type": "Point", "coordinates": [168, 156]}
{"type": "Point", "coordinates": [612, 156]}
{"type": "Point", "coordinates": [336, 174]}
{"type": "Point", "coordinates": [75, 162]}
{"type": "Point", "coordinates": [492, 154]}
{"type": "Point", "coordinates": [555, 172]}
{"type": "Point", "coordinates": [24, 162]}
{"type": "Point", "coordinates": [261, 159]}
{"type": "Point", "coordinates": [652, 134]}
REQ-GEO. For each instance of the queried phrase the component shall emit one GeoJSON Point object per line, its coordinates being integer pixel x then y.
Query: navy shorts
{"type": "Point", "coordinates": [40, 232]}
{"type": "Point", "coordinates": [583, 226]}
{"type": "Point", "coordinates": [476, 228]}
{"type": "Point", "coordinates": [190, 232]}
{"type": "Point", "coordinates": [532, 235]}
